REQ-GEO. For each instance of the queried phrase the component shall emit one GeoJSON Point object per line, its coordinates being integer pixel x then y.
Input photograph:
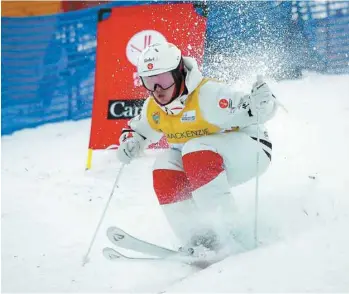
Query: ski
{"type": "Point", "coordinates": [122, 239]}
{"type": "Point", "coordinates": [114, 255]}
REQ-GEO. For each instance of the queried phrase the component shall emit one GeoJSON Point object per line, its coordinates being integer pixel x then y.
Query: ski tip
{"type": "Point", "coordinates": [111, 229]}
{"type": "Point", "coordinates": [115, 230]}
{"type": "Point", "coordinates": [114, 235]}
{"type": "Point", "coordinates": [111, 254]}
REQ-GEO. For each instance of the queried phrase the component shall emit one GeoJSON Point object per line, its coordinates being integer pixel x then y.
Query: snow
{"type": "Point", "coordinates": [315, 261]}
{"type": "Point", "coordinates": [51, 207]}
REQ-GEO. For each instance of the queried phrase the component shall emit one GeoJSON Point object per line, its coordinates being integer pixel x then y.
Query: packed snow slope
{"type": "Point", "coordinates": [51, 207]}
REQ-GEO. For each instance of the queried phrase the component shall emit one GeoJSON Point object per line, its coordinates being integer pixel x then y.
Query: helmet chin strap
{"type": "Point", "coordinates": [182, 88]}
{"type": "Point", "coordinates": [178, 92]}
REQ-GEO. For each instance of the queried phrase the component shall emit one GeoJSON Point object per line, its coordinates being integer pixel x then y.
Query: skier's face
{"type": "Point", "coordinates": [161, 86]}
{"type": "Point", "coordinates": [164, 96]}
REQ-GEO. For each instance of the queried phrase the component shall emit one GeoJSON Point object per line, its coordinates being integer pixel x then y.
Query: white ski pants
{"type": "Point", "coordinates": [193, 185]}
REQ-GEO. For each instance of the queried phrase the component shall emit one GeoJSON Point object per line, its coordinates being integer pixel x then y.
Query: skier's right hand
{"type": "Point", "coordinates": [130, 146]}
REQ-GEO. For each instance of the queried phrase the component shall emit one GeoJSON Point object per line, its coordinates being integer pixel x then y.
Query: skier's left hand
{"type": "Point", "coordinates": [260, 97]}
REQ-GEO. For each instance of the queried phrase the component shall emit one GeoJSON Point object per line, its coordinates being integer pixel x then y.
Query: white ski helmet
{"type": "Point", "coordinates": [161, 58]}
{"type": "Point", "coordinates": [158, 58]}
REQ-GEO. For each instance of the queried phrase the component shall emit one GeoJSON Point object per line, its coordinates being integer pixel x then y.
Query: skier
{"type": "Point", "coordinates": [212, 133]}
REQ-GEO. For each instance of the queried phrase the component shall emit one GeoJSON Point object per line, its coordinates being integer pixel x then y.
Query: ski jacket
{"type": "Point", "coordinates": [211, 107]}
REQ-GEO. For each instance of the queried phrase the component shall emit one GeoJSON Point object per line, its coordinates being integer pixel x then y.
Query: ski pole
{"type": "Point", "coordinates": [86, 259]}
{"type": "Point", "coordinates": [260, 81]}
{"type": "Point", "coordinates": [257, 188]}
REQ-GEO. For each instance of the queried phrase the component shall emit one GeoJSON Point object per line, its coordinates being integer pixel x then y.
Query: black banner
{"type": "Point", "coordinates": [124, 109]}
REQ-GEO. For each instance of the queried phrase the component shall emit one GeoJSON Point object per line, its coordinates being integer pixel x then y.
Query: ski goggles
{"type": "Point", "coordinates": [164, 81]}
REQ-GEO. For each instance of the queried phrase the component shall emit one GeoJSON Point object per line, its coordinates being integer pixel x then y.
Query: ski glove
{"type": "Point", "coordinates": [131, 143]}
{"type": "Point", "coordinates": [261, 98]}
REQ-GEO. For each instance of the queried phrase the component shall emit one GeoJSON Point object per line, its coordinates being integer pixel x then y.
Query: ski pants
{"type": "Point", "coordinates": [193, 184]}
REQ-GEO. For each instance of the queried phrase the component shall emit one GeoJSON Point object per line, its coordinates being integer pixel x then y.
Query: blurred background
{"type": "Point", "coordinates": [48, 49]}
{"type": "Point", "coordinates": [35, 8]}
